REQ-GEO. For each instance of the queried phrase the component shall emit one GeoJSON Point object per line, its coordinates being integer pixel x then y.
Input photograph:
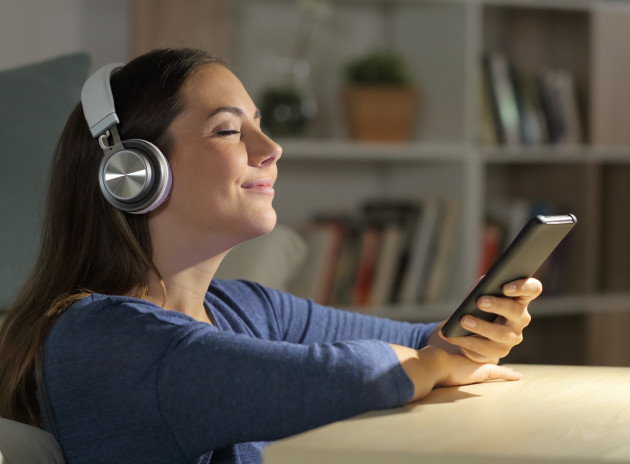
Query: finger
{"type": "Point", "coordinates": [498, 333]}
{"type": "Point", "coordinates": [478, 358]}
{"type": "Point", "coordinates": [480, 349]}
{"type": "Point", "coordinates": [523, 289]}
{"type": "Point", "coordinates": [514, 312]}
{"type": "Point", "coordinates": [494, 372]}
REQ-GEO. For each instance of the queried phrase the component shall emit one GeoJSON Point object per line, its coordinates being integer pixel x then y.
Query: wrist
{"type": "Point", "coordinates": [434, 360]}
{"type": "Point", "coordinates": [426, 367]}
{"type": "Point", "coordinates": [437, 339]}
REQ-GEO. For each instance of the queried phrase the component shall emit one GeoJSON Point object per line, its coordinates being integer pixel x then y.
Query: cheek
{"type": "Point", "coordinates": [209, 178]}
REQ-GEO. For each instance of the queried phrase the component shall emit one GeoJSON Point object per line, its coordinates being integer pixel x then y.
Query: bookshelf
{"type": "Point", "coordinates": [443, 43]}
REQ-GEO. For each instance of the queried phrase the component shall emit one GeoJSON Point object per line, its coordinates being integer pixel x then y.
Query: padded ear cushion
{"type": "Point", "coordinates": [136, 179]}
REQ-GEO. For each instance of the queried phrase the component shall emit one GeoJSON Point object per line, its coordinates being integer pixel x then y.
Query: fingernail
{"type": "Point", "coordinates": [469, 321]}
{"type": "Point", "coordinates": [511, 288]}
{"type": "Point", "coordinates": [485, 302]}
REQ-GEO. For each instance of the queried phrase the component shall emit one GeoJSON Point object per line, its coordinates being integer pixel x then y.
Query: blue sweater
{"type": "Point", "coordinates": [127, 381]}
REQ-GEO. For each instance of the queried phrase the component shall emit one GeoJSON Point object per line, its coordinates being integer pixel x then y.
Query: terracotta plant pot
{"type": "Point", "coordinates": [380, 113]}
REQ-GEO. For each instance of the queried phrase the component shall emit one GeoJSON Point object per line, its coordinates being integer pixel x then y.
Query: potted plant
{"type": "Point", "coordinates": [285, 111]}
{"type": "Point", "coordinates": [380, 100]}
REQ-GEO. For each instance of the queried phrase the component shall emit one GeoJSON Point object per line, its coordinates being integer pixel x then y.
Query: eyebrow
{"type": "Point", "coordinates": [234, 110]}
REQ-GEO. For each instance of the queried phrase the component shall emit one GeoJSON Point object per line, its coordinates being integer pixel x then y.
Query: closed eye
{"type": "Point", "coordinates": [228, 132]}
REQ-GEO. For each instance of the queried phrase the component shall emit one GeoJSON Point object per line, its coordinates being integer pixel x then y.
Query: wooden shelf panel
{"type": "Point", "coordinates": [346, 150]}
{"type": "Point", "coordinates": [555, 154]}
{"type": "Point", "coordinates": [543, 307]}
{"type": "Point", "coordinates": [330, 150]}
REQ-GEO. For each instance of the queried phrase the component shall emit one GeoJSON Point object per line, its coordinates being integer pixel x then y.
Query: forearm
{"type": "Point", "coordinates": [302, 321]}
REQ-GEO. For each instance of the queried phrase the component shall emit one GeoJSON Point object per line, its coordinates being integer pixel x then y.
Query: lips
{"type": "Point", "coordinates": [264, 185]}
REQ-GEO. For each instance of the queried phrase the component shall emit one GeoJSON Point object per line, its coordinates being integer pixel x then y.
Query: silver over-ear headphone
{"type": "Point", "coordinates": [134, 175]}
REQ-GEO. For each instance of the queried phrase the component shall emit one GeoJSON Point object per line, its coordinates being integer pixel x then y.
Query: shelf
{"type": "Point", "coordinates": [542, 307]}
{"type": "Point", "coordinates": [543, 4]}
{"type": "Point", "coordinates": [551, 4]}
{"type": "Point", "coordinates": [555, 154]}
{"type": "Point", "coordinates": [580, 304]}
{"type": "Point", "coordinates": [345, 150]}
{"type": "Point", "coordinates": [411, 313]}
{"type": "Point", "coordinates": [342, 150]}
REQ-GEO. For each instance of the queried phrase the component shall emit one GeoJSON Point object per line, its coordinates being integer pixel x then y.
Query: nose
{"type": "Point", "coordinates": [265, 151]}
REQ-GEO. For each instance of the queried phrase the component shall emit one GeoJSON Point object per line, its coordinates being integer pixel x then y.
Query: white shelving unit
{"type": "Point", "coordinates": [443, 41]}
{"type": "Point", "coordinates": [473, 164]}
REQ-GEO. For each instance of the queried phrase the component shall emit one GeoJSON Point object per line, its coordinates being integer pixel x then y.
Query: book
{"type": "Point", "coordinates": [442, 266]}
{"type": "Point", "coordinates": [487, 130]}
{"type": "Point", "coordinates": [369, 248]}
{"type": "Point", "coordinates": [551, 104]}
{"type": "Point", "coordinates": [511, 214]}
{"type": "Point", "coordinates": [404, 212]}
{"type": "Point", "coordinates": [323, 239]}
{"type": "Point", "coordinates": [421, 251]}
{"type": "Point", "coordinates": [346, 264]}
{"type": "Point", "coordinates": [533, 126]}
{"type": "Point", "coordinates": [492, 242]}
{"type": "Point", "coordinates": [564, 84]}
{"type": "Point", "coordinates": [391, 244]}
{"type": "Point", "coordinates": [498, 78]}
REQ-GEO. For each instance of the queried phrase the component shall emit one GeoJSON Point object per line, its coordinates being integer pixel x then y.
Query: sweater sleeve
{"type": "Point", "coordinates": [300, 320]}
{"type": "Point", "coordinates": [216, 388]}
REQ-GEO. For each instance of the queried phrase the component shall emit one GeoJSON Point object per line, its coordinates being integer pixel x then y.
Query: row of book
{"type": "Point", "coordinates": [521, 109]}
{"type": "Point", "coordinates": [391, 251]}
{"type": "Point", "coordinates": [504, 220]}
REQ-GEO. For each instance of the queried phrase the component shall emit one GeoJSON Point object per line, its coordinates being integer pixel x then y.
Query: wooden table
{"type": "Point", "coordinates": [554, 414]}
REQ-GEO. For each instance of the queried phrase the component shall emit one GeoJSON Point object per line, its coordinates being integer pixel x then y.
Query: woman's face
{"type": "Point", "coordinates": [223, 166]}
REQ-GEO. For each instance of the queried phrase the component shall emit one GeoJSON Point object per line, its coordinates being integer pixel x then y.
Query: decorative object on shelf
{"type": "Point", "coordinates": [286, 111]}
{"type": "Point", "coordinates": [380, 101]}
{"type": "Point", "coordinates": [289, 105]}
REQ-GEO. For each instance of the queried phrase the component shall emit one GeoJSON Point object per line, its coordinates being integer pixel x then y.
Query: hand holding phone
{"type": "Point", "coordinates": [521, 259]}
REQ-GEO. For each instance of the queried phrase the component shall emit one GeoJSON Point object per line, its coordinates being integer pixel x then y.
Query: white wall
{"type": "Point", "coordinates": [33, 30]}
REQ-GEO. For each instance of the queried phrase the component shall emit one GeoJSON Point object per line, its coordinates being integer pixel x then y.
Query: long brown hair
{"type": "Point", "coordinates": [87, 245]}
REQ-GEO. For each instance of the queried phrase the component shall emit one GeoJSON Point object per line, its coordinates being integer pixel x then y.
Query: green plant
{"type": "Point", "coordinates": [381, 68]}
{"type": "Point", "coordinates": [284, 112]}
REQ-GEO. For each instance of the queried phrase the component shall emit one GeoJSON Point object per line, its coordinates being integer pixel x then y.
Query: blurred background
{"type": "Point", "coordinates": [418, 137]}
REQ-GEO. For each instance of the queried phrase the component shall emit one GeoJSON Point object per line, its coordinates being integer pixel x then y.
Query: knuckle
{"type": "Point", "coordinates": [507, 338]}
{"type": "Point", "coordinates": [517, 339]}
{"type": "Point", "coordinates": [510, 338]}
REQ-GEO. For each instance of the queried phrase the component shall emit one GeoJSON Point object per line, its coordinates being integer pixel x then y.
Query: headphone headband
{"type": "Point", "coordinates": [98, 102]}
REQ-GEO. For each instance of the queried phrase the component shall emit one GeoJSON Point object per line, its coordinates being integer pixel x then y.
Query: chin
{"type": "Point", "coordinates": [265, 226]}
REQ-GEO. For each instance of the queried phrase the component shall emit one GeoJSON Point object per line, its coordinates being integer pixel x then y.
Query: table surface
{"type": "Point", "coordinates": [554, 414]}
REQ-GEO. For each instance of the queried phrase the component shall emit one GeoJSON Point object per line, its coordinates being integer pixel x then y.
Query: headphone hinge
{"type": "Point", "coordinates": [103, 140]}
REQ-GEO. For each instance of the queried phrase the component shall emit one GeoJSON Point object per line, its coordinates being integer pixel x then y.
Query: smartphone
{"type": "Point", "coordinates": [521, 259]}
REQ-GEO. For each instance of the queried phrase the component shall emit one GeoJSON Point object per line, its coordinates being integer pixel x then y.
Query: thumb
{"type": "Point", "coordinates": [494, 372]}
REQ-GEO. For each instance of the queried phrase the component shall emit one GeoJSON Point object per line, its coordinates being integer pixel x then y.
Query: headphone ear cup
{"type": "Point", "coordinates": [136, 179]}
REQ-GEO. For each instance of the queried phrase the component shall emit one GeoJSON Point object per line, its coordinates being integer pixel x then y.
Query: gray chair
{"type": "Point", "coordinates": [35, 101]}
{"type": "Point", "coordinates": [24, 444]}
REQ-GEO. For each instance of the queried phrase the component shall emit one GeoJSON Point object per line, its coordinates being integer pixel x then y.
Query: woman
{"type": "Point", "coordinates": [124, 346]}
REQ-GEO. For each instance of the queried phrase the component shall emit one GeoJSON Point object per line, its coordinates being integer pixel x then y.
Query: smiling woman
{"type": "Point", "coordinates": [224, 168]}
{"type": "Point", "coordinates": [125, 346]}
